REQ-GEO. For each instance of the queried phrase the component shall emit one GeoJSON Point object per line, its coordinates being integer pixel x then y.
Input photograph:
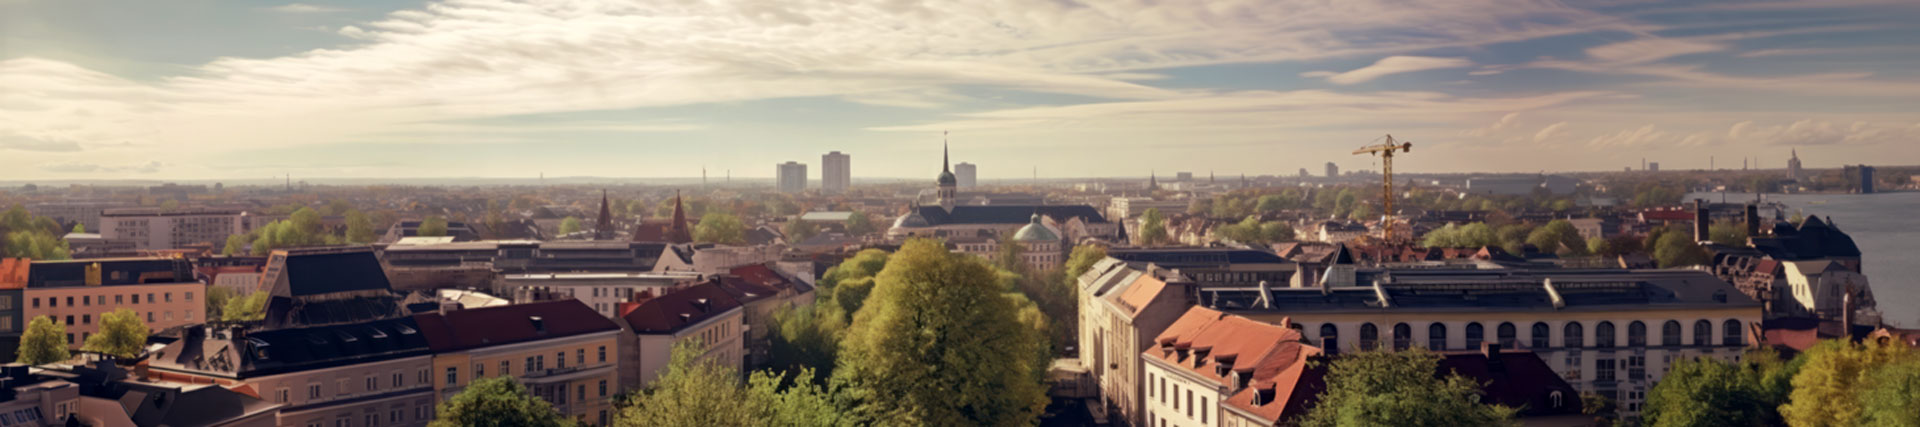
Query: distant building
{"type": "Point", "coordinates": [1303, 173]}
{"type": "Point", "coordinates": [1653, 166]}
{"type": "Point", "coordinates": [155, 228]}
{"type": "Point", "coordinates": [1793, 166]}
{"type": "Point", "coordinates": [791, 177]}
{"type": "Point", "coordinates": [1520, 185]}
{"type": "Point", "coordinates": [950, 219]}
{"type": "Point", "coordinates": [966, 174]}
{"type": "Point", "coordinates": [601, 290]}
{"type": "Point", "coordinates": [836, 172]}
{"type": "Point", "coordinates": [1183, 176]}
{"type": "Point", "coordinates": [1859, 178]}
{"type": "Point", "coordinates": [1333, 170]}
{"type": "Point", "coordinates": [85, 213]}
{"type": "Point", "coordinates": [580, 379]}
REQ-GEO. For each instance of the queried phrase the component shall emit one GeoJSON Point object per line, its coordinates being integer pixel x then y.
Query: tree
{"type": "Point", "coordinates": [433, 226]}
{"type": "Point", "coordinates": [217, 298]}
{"type": "Point", "coordinates": [798, 230]}
{"type": "Point", "coordinates": [806, 336]}
{"type": "Point", "coordinates": [931, 305]}
{"type": "Point", "coordinates": [1827, 390]}
{"type": "Point", "coordinates": [1153, 228]}
{"type": "Point", "coordinates": [1676, 249]}
{"type": "Point", "coordinates": [80, 228]}
{"type": "Point", "coordinates": [236, 245]}
{"type": "Point", "coordinates": [1558, 236]}
{"type": "Point", "coordinates": [720, 227]}
{"type": "Point", "coordinates": [496, 401]}
{"type": "Point", "coordinates": [359, 227]}
{"type": "Point", "coordinates": [1400, 388]}
{"type": "Point", "coordinates": [1011, 256]}
{"type": "Point", "coordinates": [251, 308]}
{"type": "Point", "coordinates": [1891, 400]}
{"type": "Point", "coordinates": [800, 403]}
{"type": "Point", "coordinates": [122, 334]}
{"type": "Point", "coordinates": [691, 392]}
{"type": "Point", "coordinates": [44, 341]}
{"type": "Point", "coordinates": [859, 224]}
{"type": "Point", "coordinates": [1708, 392]}
{"type": "Point", "coordinates": [569, 225]}
{"type": "Point", "coordinates": [1728, 234]}
{"type": "Point", "coordinates": [1082, 259]}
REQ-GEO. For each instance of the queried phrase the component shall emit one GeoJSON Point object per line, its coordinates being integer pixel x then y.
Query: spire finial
{"type": "Point", "coordinates": [944, 160]}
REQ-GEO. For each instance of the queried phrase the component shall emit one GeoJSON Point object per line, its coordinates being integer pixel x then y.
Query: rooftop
{"type": "Point", "coordinates": [674, 311]}
{"type": "Point", "coordinates": [508, 324]}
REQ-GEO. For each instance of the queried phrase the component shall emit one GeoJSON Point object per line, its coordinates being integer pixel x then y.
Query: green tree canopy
{"type": "Point", "coordinates": [79, 228]}
{"type": "Point", "coordinates": [569, 225]}
{"type": "Point", "coordinates": [720, 227]}
{"type": "Point", "coordinates": [1893, 397]}
{"type": "Point", "coordinates": [798, 230]}
{"type": "Point", "coordinates": [1558, 236]}
{"type": "Point", "coordinates": [1705, 391]}
{"type": "Point", "coordinates": [433, 226]}
{"type": "Point", "coordinates": [1400, 389]}
{"type": "Point", "coordinates": [860, 224]}
{"type": "Point", "coordinates": [360, 227]}
{"type": "Point", "coordinates": [1082, 259]}
{"type": "Point", "coordinates": [1457, 236]}
{"type": "Point", "coordinates": [251, 308]}
{"type": "Point", "coordinates": [1153, 228]}
{"type": "Point", "coordinates": [1828, 389]}
{"type": "Point", "coordinates": [122, 334]}
{"type": "Point", "coordinates": [691, 392]}
{"type": "Point", "coordinates": [1254, 232]}
{"type": "Point", "coordinates": [1677, 249]}
{"type": "Point", "coordinates": [1728, 234]}
{"type": "Point", "coordinates": [45, 341]}
{"type": "Point", "coordinates": [938, 344]}
{"type": "Point", "coordinates": [497, 401]}
{"type": "Point", "coordinates": [217, 297]}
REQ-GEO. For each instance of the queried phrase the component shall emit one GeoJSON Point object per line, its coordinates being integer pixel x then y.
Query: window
{"type": "Point", "coordinates": [1330, 336]}
{"type": "Point", "coordinates": [372, 383]}
{"type": "Point", "coordinates": [1702, 333]}
{"type": "Point", "coordinates": [1603, 334]}
{"type": "Point", "coordinates": [1437, 336]}
{"type": "Point", "coordinates": [1509, 335]}
{"type": "Point", "coordinates": [1204, 409]}
{"type": "Point", "coordinates": [169, 296]}
{"type": "Point", "coordinates": [1189, 403]}
{"type": "Point", "coordinates": [423, 377]}
{"type": "Point", "coordinates": [285, 395]}
{"type": "Point", "coordinates": [603, 388]}
{"type": "Point", "coordinates": [580, 356]}
{"type": "Point", "coordinates": [1603, 370]}
{"type": "Point", "coordinates": [1402, 336]}
{"type": "Point", "coordinates": [560, 360]}
{"type": "Point", "coordinates": [150, 297]}
{"type": "Point", "coordinates": [136, 298]}
{"type": "Point", "coordinates": [1150, 392]}
{"type": "Point", "coordinates": [70, 320]}
{"type": "Point", "coordinates": [1636, 334]}
{"type": "Point", "coordinates": [1670, 333]}
{"type": "Point", "coordinates": [313, 391]}
{"type": "Point", "coordinates": [398, 379]}
{"type": "Point", "coordinates": [69, 301]}
{"type": "Point", "coordinates": [453, 375]}
{"type": "Point", "coordinates": [506, 367]}
{"type": "Point", "coordinates": [583, 393]}
{"type": "Point", "coordinates": [603, 417]}
{"type": "Point", "coordinates": [1636, 367]}
{"type": "Point", "coordinates": [479, 370]}
{"type": "Point", "coordinates": [1163, 389]}
{"type": "Point", "coordinates": [36, 303]}
{"type": "Point", "coordinates": [1368, 336]}
{"type": "Point", "coordinates": [373, 420]}
{"type": "Point", "coordinates": [1733, 335]}
{"type": "Point", "coordinates": [1573, 335]}
{"type": "Point", "coordinates": [529, 365]}
{"type": "Point", "coordinates": [116, 300]}
{"type": "Point", "coordinates": [1556, 398]}
{"type": "Point", "coordinates": [149, 317]}
{"type": "Point", "coordinates": [189, 297]}
{"type": "Point", "coordinates": [603, 354]}
{"type": "Point", "coordinates": [1476, 334]}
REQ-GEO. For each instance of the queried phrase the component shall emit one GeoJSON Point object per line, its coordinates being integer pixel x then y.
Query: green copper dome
{"type": "Point", "coordinates": [1035, 232]}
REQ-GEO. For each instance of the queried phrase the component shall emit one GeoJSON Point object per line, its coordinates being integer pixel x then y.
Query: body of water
{"type": "Point", "coordinates": [1886, 226]}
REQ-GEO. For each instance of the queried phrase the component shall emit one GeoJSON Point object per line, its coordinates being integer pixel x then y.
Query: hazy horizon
{"type": "Point", "coordinates": [114, 90]}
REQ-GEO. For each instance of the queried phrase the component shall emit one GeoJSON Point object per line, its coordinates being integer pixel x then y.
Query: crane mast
{"type": "Point", "coordinates": [1385, 151]}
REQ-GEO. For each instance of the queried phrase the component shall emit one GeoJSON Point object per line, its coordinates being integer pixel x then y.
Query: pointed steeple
{"type": "Point", "coordinates": [1153, 180]}
{"type": "Point", "coordinates": [678, 231]}
{"type": "Point", "coordinates": [603, 229]}
{"type": "Point", "coordinates": [946, 163]}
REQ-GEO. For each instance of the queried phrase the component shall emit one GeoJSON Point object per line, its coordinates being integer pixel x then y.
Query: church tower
{"type": "Point", "coordinates": [603, 228]}
{"type": "Point", "coordinates": [1793, 166]}
{"type": "Point", "coordinates": [947, 183]}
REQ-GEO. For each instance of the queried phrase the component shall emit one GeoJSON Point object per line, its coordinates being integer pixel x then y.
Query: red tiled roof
{"type": "Point", "coordinates": [507, 324]}
{"type": "Point", "coordinates": [761, 274]}
{"type": "Point", "coordinates": [13, 272]}
{"type": "Point", "coordinates": [1141, 293]}
{"type": "Point", "coordinates": [673, 311]}
{"type": "Point", "coordinates": [1270, 356]}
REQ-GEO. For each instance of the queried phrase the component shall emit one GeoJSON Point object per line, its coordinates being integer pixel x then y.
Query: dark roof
{"type": "Point", "coordinates": [671, 312]}
{"type": "Point", "coordinates": [507, 324]}
{"type": "Point", "coordinates": [278, 351]}
{"type": "Point", "coordinates": [1516, 379]}
{"type": "Point", "coordinates": [122, 271]}
{"type": "Point", "coordinates": [1814, 239]}
{"type": "Point", "coordinates": [1496, 290]}
{"type": "Point", "coordinates": [206, 405]}
{"type": "Point", "coordinates": [325, 273]}
{"type": "Point", "coordinates": [1197, 256]}
{"type": "Point", "coordinates": [1341, 256]}
{"type": "Point", "coordinates": [1006, 214]}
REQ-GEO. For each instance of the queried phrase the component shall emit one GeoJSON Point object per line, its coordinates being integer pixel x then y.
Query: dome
{"type": "Point", "coordinates": [911, 220]}
{"type": "Point", "coordinates": [1035, 232]}
{"type": "Point", "coordinates": [946, 178]}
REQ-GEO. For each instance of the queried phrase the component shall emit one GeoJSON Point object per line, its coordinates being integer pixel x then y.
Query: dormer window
{"type": "Point", "coordinates": [539, 325]}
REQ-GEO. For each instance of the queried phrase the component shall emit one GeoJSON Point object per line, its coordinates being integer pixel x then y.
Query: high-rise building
{"type": "Point", "coordinates": [1183, 176]}
{"type": "Point", "coordinates": [1303, 173]}
{"type": "Point", "coordinates": [1333, 170]}
{"type": "Point", "coordinates": [1653, 166]}
{"type": "Point", "coordinates": [792, 177]}
{"type": "Point", "coordinates": [836, 172]}
{"type": "Point", "coordinates": [1793, 166]}
{"type": "Point", "coordinates": [964, 172]}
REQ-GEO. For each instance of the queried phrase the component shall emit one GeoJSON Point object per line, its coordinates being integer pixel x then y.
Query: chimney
{"type": "Point", "coordinates": [1753, 220]}
{"type": "Point", "coordinates": [1701, 220]}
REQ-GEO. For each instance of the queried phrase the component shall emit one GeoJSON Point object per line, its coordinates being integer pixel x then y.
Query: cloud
{"type": "Point", "coordinates": [91, 168]}
{"type": "Point", "coordinates": [1821, 132]}
{"type": "Point", "coordinates": [1646, 50]}
{"type": "Point", "coordinates": [305, 8]}
{"type": "Point", "coordinates": [11, 140]}
{"type": "Point", "coordinates": [1389, 66]}
{"type": "Point", "coordinates": [1547, 133]}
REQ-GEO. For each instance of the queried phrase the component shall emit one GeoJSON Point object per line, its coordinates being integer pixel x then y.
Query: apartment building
{"type": "Point", "coordinates": [563, 351]}
{"type": "Point", "coordinates": [703, 315]}
{"type": "Point", "coordinates": [155, 228]}
{"type": "Point", "coordinates": [161, 291]}
{"type": "Point", "coordinates": [366, 374]}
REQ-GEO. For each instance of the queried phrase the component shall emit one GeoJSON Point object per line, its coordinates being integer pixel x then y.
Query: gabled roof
{"type": "Point", "coordinates": [1279, 381]}
{"type": "Point", "coordinates": [331, 272]}
{"type": "Point", "coordinates": [508, 324]}
{"type": "Point", "coordinates": [674, 311]}
{"type": "Point", "coordinates": [1141, 293]}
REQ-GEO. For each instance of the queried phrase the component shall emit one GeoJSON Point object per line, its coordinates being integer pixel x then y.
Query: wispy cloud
{"type": "Point", "coordinates": [1389, 66]}
{"type": "Point", "coordinates": [305, 8]}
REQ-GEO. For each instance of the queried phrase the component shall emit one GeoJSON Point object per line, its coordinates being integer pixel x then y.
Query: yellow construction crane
{"type": "Point", "coordinates": [1385, 150]}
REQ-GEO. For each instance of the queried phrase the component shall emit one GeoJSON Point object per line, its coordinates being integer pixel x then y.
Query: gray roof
{"type": "Point", "coordinates": [1006, 214]}
{"type": "Point", "coordinates": [1497, 290]}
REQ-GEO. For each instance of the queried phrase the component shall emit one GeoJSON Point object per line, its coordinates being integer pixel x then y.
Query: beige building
{"type": "Point", "coordinates": [563, 351]}
{"type": "Point", "coordinates": [704, 316]}
{"type": "Point", "coordinates": [1122, 309]}
{"type": "Point", "coordinates": [375, 373]}
{"type": "Point", "coordinates": [161, 291]}
{"type": "Point", "coordinates": [155, 228]}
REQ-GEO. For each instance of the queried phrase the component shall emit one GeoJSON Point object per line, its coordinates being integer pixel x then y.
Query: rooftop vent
{"type": "Point", "coordinates": [539, 325]}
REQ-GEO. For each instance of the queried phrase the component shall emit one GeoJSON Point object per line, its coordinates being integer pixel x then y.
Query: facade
{"type": "Point", "coordinates": [154, 228]}
{"type": "Point", "coordinates": [1131, 207]}
{"type": "Point", "coordinates": [37, 400]}
{"type": "Point", "coordinates": [762, 290]}
{"type": "Point", "coordinates": [709, 258]}
{"type": "Point", "coordinates": [791, 177]}
{"type": "Point", "coordinates": [703, 316]}
{"type": "Point", "coordinates": [161, 291]}
{"type": "Point", "coordinates": [966, 175]}
{"type": "Point", "coordinates": [359, 374]}
{"type": "Point", "coordinates": [1212, 369]}
{"type": "Point", "coordinates": [836, 172]}
{"type": "Point", "coordinates": [1610, 332]}
{"type": "Point", "coordinates": [603, 292]}
{"type": "Point", "coordinates": [68, 213]}
{"type": "Point", "coordinates": [563, 351]}
{"type": "Point", "coordinates": [1122, 309]}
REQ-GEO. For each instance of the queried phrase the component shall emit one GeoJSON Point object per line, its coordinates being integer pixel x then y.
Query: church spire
{"type": "Point", "coordinates": [678, 231]}
{"type": "Point", "coordinates": [946, 163]}
{"type": "Point", "coordinates": [603, 229]}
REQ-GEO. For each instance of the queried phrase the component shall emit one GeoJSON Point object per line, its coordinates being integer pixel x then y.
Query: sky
{"type": "Point", "coordinates": [212, 89]}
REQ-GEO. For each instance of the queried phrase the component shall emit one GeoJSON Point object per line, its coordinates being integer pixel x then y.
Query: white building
{"type": "Point", "coordinates": [967, 174]}
{"type": "Point", "coordinates": [703, 315]}
{"type": "Point", "coordinates": [836, 172]}
{"type": "Point", "coordinates": [791, 177]}
{"type": "Point", "coordinates": [603, 291]}
{"type": "Point", "coordinates": [154, 228]}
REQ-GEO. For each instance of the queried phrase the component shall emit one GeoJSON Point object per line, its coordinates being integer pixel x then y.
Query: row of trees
{"type": "Point", "coordinates": [1672, 246]}
{"type": "Point", "coordinates": [23, 235]}
{"type": "Point", "coordinates": [1835, 383]}
{"type": "Point", "coordinates": [304, 228]}
{"type": "Point", "coordinates": [122, 334]}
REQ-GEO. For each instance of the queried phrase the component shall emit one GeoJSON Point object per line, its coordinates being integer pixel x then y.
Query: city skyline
{"type": "Point", "coordinates": [483, 88]}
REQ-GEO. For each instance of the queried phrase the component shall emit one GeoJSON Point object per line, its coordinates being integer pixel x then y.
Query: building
{"type": "Point", "coordinates": [1122, 309]}
{"type": "Point", "coordinates": [704, 317]}
{"type": "Point", "coordinates": [1653, 166]}
{"type": "Point", "coordinates": [967, 175]}
{"type": "Point", "coordinates": [517, 340]}
{"type": "Point", "coordinates": [27, 399]}
{"type": "Point", "coordinates": [327, 286]}
{"type": "Point", "coordinates": [364, 374]}
{"type": "Point", "coordinates": [155, 228]}
{"type": "Point", "coordinates": [109, 395]}
{"type": "Point", "coordinates": [1794, 173]}
{"type": "Point", "coordinates": [603, 291]}
{"type": "Point", "coordinates": [1333, 170]}
{"type": "Point", "coordinates": [13, 318]}
{"type": "Point", "coordinates": [1610, 332]}
{"type": "Point", "coordinates": [1859, 178]}
{"type": "Point", "coordinates": [791, 177]}
{"type": "Point", "coordinates": [68, 213]}
{"type": "Point", "coordinates": [1123, 208]}
{"type": "Point", "coordinates": [836, 172]}
{"type": "Point", "coordinates": [1213, 266]}
{"type": "Point", "coordinates": [949, 219]}
{"type": "Point", "coordinates": [460, 231]}
{"type": "Point", "coordinates": [161, 291]}
{"type": "Point", "coordinates": [481, 264]}
{"type": "Point", "coordinates": [675, 229]}
{"type": "Point", "coordinates": [1210, 368]}
{"type": "Point", "coordinates": [761, 291]}
{"type": "Point", "coordinates": [1183, 176]}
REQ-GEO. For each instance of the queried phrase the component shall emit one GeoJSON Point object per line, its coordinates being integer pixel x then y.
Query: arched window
{"type": "Point", "coordinates": [1574, 335]}
{"type": "Point", "coordinates": [1330, 337]}
{"type": "Point", "coordinates": [1733, 334]}
{"type": "Point", "coordinates": [1542, 335]}
{"type": "Point", "coordinates": [1636, 334]}
{"type": "Point", "coordinates": [1557, 398]}
{"type": "Point", "coordinates": [1369, 335]}
{"type": "Point", "coordinates": [1670, 333]}
{"type": "Point", "coordinates": [1475, 334]}
{"type": "Point", "coordinates": [1509, 336]}
{"type": "Point", "coordinates": [1603, 334]}
{"type": "Point", "coordinates": [1703, 333]}
{"type": "Point", "coordinates": [1437, 336]}
{"type": "Point", "coordinates": [1402, 336]}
